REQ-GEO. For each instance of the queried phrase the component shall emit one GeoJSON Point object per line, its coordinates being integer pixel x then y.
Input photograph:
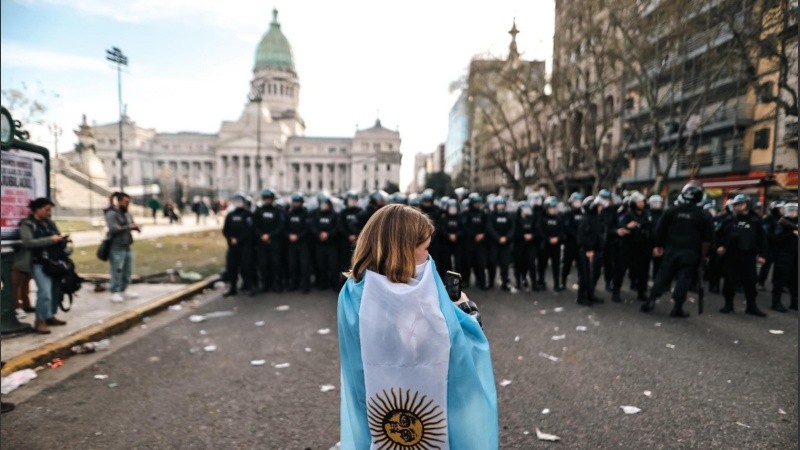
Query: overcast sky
{"type": "Point", "coordinates": [190, 61]}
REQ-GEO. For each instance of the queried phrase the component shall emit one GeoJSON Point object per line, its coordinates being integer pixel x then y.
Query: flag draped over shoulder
{"type": "Point", "coordinates": [416, 370]}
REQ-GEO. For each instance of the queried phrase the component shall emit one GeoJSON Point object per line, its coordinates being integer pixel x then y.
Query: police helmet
{"type": "Point", "coordinates": [297, 197]}
{"type": "Point", "coordinates": [587, 202]}
{"type": "Point", "coordinates": [536, 199]}
{"type": "Point", "coordinates": [635, 197]}
{"type": "Point", "coordinates": [604, 194]}
{"type": "Point", "coordinates": [427, 195]}
{"type": "Point", "coordinates": [474, 198]}
{"type": "Point", "coordinates": [415, 202]}
{"type": "Point", "coordinates": [452, 203]}
{"type": "Point", "coordinates": [267, 193]}
{"type": "Point", "coordinates": [378, 196]}
{"type": "Point", "coordinates": [461, 192]}
{"type": "Point", "coordinates": [776, 205]}
{"type": "Point", "coordinates": [465, 203]}
{"type": "Point", "coordinates": [655, 198]}
{"type": "Point", "coordinates": [790, 209]}
{"type": "Point", "coordinates": [551, 202]}
{"type": "Point", "coordinates": [742, 198]}
{"type": "Point", "coordinates": [499, 200]}
{"type": "Point", "coordinates": [399, 198]}
{"type": "Point", "coordinates": [323, 198]}
{"type": "Point", "coordinates": [525, 208]}
{"type": "Point", "coordinates": [575, 197]}
{"type": "Point", "coordinates": [351, 195]}
{"type": "Point", "coordinates": [616, 199]}
{"type": "Point", "coordinates": [691, 194]}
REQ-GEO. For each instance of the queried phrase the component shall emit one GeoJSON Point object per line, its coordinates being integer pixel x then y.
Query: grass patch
{"type": "Point", "coordinates": [202, 251]}
{"type": "Point", "coordinates": [71, 226]}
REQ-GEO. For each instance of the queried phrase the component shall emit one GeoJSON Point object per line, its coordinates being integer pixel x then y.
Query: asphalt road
{"type": "Point", "coordinates": [715, 381]}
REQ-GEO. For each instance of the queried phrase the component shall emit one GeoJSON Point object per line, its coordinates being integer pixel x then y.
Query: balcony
{"type": "Point", "coordinates": [791, 133]}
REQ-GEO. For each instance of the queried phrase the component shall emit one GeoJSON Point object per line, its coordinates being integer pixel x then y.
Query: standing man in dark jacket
{"type": "Point", "coordinates": [238, 231]}
{"type": "Point", "coordinates": [525, 246]}
{"type": "Point", "coordinates": [634, 234]}
{"type": "Point", "coordinates": [591, 242]}
{"type": "Point", "coordinates": [297, 251]}
{"type": "Point", "coordinates": [501, 233]}
{"type": "Point", "coordinates": [449, 223]}
{"type": "Point", "coordinates": [120, 224]}
{"type": "Point", "coordinates": [783, 241]}
{"type": "Point", "coordinates": [325, 228]}
{"type": "Point", "coordinates": [572, 220]}
{"type": "Point", "coordinates": [683, 237]}
{"type": "Point", "coordinates": [655, 206]}
{"type": "Point", "coordinates": [473, 231]}
{"type": "Point", "coordinates": [268, 222]}
{"type": "Point", "coordinates": [551, 230]}
{"type": "Point", "coordinates": [348, 229]}
{"type": "Point", "coordinates": [770, 222]}
{"type": "Point", "coordinates": [743, 244]}
{"type": "Point", "coordinates": [610, 253]}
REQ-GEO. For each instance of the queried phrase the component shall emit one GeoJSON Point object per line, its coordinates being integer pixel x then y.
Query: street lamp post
{"type": "Point", "coordinates": [56, 130]}
{"type": "Point", "coordinates": [115, 55]}
{"type": "Point", "coordinates": [258, 97]}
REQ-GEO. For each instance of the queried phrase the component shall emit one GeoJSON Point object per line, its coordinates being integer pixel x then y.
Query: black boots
{"type": "Point", "coordinates": [648, 305]}
{"type": "Point", "coordinates": [728, 308]}
{"type": "Point", "coordinates": [777, 305]}
{"type": "Point", "coordinates": [793, 304]}
{"type": "Point", "coordinates": [677, 311]}
{"type": "Point", "coordinates": [616, 298]}
{"type": "Point", "coordinates": [753, 310]}
{"type": "Point", "coordinates": [230, 293]}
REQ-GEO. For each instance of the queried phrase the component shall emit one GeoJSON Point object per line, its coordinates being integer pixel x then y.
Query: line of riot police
{"type": "Point", "coordinates": [284, 245]}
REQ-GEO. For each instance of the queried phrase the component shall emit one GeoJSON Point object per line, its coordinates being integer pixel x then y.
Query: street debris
{"type": "Point", "coordinates": [780, 411]}
{"type": "Point", "coordinates": [189, 275]}
{"type": "Point", "coordinates": [153, 359]}
{"type": "Point", "coordinates": [630, 409]}
{"type": "Point", "coordinates": [546, 411]}
{"type": "Point", "coordinates": [177, 307]}
{"type": "Point", "coordinates": [210, 348]}
{"type": "Point", "coordinates": [203, 332]}
{"type": "Point", "coordinates": [112, 385]}
{"type": "Point", "coordinates": [520, 358]}
{"type": "Point", "coordinates": [282, 308]}
{"type": "Point", "coordinates": [558, 309]}
{"type": "Point", "coordinates": [516, 339]}
{"type": "Point", "coordinates": [324, 331]}
{"type": "Point", "coordinates": [580, 328]}
{"type": "Point", "coordinates": [308, 349]}
{"type": "Point", "coordinates": [327, 387]}
{"type": "Point", "coordinates": [559, 337]}
{"type": "Point", "coordinates": [526, 432]}
{"type": "Point", "coordinates": [550, 357]}
{"type": "Point", "coordinates": [196, 318]}
{"type": "Point", "coordinates": [776, 331]}
{"type": "Point", "coordinates": [91, 347]}
{"type": "Point", "coordinates": [100, 376]}
{"type": "Point", "coordinates": [16, 380]}
{"type": "Point", "coordinates": [55, 363]}
{"type": "Point", "coordinates": [258, 362]}
{"type": "Point", "coordinates": [647, 393]}
{"type": "Point", "coordinates": [542, 436]}
{"type": "Point", "coordinates": [658, 324]}
{"type": "Point", "coordinates": [672, 346]}
{"type": "Point", "coordinates": [505, 382]}
{"type": "Point", "coordinates": [282, 365]}
{"type": "Point", "coordinates": [218, 285]}
{"type": "Point", "coordinates": [218, 314]}
{"type": "Point", "coordinates": [743, 425]}
{"type": "Point", "coordinates": [260, 323]}
{"type": "Point", "coordinates": [736, 341]}
{"type": "Point", "coordinates": [543, 311]}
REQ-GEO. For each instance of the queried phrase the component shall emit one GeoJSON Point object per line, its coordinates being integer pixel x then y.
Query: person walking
{"type": "Point", "coordinates": [683, 237]}
{"type": "Point", "coordinates": [744, 244]}
{"type": "Point", "coordinates": [154, 204]}
{"type": "Point", "coordinates": [41, 240]}
{"type": "Point", "coordinates": [120, 223]}
{"type": "Point", "coordinates": [416, 370]}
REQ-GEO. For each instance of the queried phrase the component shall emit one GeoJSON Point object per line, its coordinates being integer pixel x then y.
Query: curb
{"type": "Point", "coordinates": [113, 325]}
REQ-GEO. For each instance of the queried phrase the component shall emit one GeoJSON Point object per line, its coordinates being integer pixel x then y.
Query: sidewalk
{"type": "Point", "coordinates": [93, 317]}
{"type": "Point", "coordinates": [149, 231]}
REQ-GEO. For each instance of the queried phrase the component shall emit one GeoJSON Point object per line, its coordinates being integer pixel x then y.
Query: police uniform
{"type": "Point", "coordinates": [297, 251]}
{"type": "Point", "coordinates": [634, 252]}
{"type": "Point", "coordinates": [449, 223]}
{"type": "Point", "coordinates": [591, 237]}
{"type": "Point", "coordinates": [268, 221]}
{"type": "Point", "coordinates": [325, 228]}
{"type": "Point", "coordinates": [551, 226]}
{"type": "Point", "coordinates": [500, 225]}
{"type": "Point", "coordinates": [525, 247]}
{"type": "Point", "coordinates": [684, 233]}
{"type": "Point", "coordinates": [572, 220]}
{"type": "Point", "coordinates": [238, 231]}
{"type": "Point", "coordinates": [744, 241]}
{"type": "Point", "coordinates": [783, 241]}
{"type": "Point", "coordinates": [348, 232]}
{"type": "Point", "coordinates": [434, 213]}
{"type": "Point", "coordinates": [473, 244]}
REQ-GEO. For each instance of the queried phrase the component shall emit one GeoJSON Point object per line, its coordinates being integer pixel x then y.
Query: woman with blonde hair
{"type": "Point", "coordinates": [416, 369]}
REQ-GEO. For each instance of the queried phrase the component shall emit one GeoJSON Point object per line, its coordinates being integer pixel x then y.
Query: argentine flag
{"type": "Point", "coordinates": [416, 370]}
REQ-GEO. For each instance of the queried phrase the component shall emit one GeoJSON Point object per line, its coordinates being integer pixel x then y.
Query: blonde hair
{"type": "Point", "coordinates": [386, 244]}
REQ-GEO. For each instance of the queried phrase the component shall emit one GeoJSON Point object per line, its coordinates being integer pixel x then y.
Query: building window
{"type": "Point", "coordinates": [101, 141]}
{"type": "Point", "coordinates": [343, 150]}
{"type": "Point", "coordinates": [761, 140]}
{"type": "Point", "coordinates": [628, 103]}
{"type": "Point", "coordinates": [308, 184]}
{"type": "Point", "coordinates": [389, 146]}
{"type": "Point", "coordinates": [112, 141]}
{"type": "Point", "coordinates": [164, 147]}
{"type": "Point", "coordinates": [331, 149]}
{"type": "Point", "coordinates": [365, 146]}
{"type": "Point", "coordinates": [376, 184]}
{"type": "Point", "coordinates": [765, 92]}
{"type": "Point", "coordinates": [365, 167]}
{"type": "Point", "coordinates": [388, 167]}
{"type": "Point", "coordinates": [320, 184]}
{"type": "Point", "coordinates": [376, 147]}
{"type": "Point", "coordinates": [297, 149]}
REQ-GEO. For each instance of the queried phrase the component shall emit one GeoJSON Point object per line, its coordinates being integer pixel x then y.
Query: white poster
{"type": "Point", "coordinates": [23, 179]}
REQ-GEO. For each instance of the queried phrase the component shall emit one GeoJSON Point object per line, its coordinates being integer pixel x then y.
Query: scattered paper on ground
{"type": "Point", "coordinates": [177, 307]}
{"type": "Point", "coordinates": [781, 411]}
{"type": "Point", "coordinates": [327, 387]}
{"type": "Point", "coordinates": [282, 365]}
{"type": "Point", "coordinates": [505, 382]}
{"type": "Point", "coordinates": [630, 409]}
{"type": "Point", "coordinates": [543, 311]}
{"type": "Point", "coordinates": [516, 338]}
{"type": "Point", "coordinates": [218, 314]}
{"type": "Point", "coordinates": [210, 348]}
{"type": "Point", "coordinates": [258, 362]}
{"type": "Point", "coordinates": [658, 324]}
{"type": "Point", "coordinates": [324, 331]}
{"type": "Point", "coordinates": [742, 425]}
{"type": "Point", "coordinates": [558, 309]}
{"type": "Point", "coordinates": [545, 436]}
{"type": "Point", "coordinates": [282, 308]}
{"type": "Point", "coordinates": [580, 328]}
{"type": "Point", "coordinates": [550, 357]}
{"type": "Point", "coordinates": [648, 393]}
{"type": "Point", "coordinates": [153, 359]}
{"type": "Point", "coordinates": [776, 331]}
{"type": "Point", "coordinates": [670, 346]}
{"type": "Point", "coordinates": [100, 377]}
{"type": "Point", "coordinates": [196, 318]}
{"type": "Point", "coordinates": [16, 380]}
{"type": "Point", "coordinates": [308, 349]}
{"type": "Point", "coordinates": [559, 337]}
{"type": "Point", "coordinates": [546, 411]}
{"type": "Point", "coordinates": [260, 323]}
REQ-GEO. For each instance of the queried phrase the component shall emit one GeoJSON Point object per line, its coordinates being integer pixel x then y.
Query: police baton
{"type": "Point", "coordinates": [701, 291]}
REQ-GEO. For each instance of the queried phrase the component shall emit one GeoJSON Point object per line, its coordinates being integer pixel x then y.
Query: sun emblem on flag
{"type": "Point", "coordinates": [398, 420]}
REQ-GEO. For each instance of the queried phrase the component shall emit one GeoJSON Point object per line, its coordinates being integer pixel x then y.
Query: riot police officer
{"type": "Point", "coordinates": [348, 229]}
{"type": "Point", "coordinates": [324, 230]}
{"type": "Point", "coordinates": [715, 261]}
{"type": "Point", "coordinates": [634, 234]}
{"type": "Point", "coordinates": [297, 251]}
{"type": "Point", "coordinates": [591, 243]}
{"type": "Point", "coordinates": [268, 222]}
{"type": "Point", "coordinates": [551, 230]}
{"type": "Point", "coordinates": [500, 229]}
{"type": "Point", "coordinates": [743, 244]}
{"type": "Point", "coordinates": [449, 224]}
{"type": "Point", "coordinates": [683, 236]}
{"type": "Point", "coordinates": [771, 219]}
{"type": "Point", "coordinates": [525, 246]}
{"type": "Point", "coordinates": [655, 204]}
{"type": "Point", "coordinates": [434, 213]}
{"type": "Point", "coordinates": [572, 220]}
{"type": "Point", "coordinates": [473, 244]}
{"type": "Point", "coordinates": [610, 252]}
{"type": "Point", "coordinates": [784, 242]}
{"type": "Point", "coordinates": [536, 200]}
{"type": "Point", "coordinates": [238, 232]}
{"type": "Point", "coordinates": [377, 200]}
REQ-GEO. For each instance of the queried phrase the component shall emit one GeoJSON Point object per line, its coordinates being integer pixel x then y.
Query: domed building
{"type": "Point", "coordinates": [265, 147]}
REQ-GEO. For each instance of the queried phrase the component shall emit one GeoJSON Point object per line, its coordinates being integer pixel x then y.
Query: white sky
{"type": "Point", "coordinates": [191, 60]}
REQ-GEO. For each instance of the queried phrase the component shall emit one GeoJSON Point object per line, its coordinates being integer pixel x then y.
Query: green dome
{"type": "Point", "coordinates": [274, 51]}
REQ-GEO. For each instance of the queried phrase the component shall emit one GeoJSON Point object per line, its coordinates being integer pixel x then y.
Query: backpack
{"type": "Point", "coordinates": [69, 284]}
